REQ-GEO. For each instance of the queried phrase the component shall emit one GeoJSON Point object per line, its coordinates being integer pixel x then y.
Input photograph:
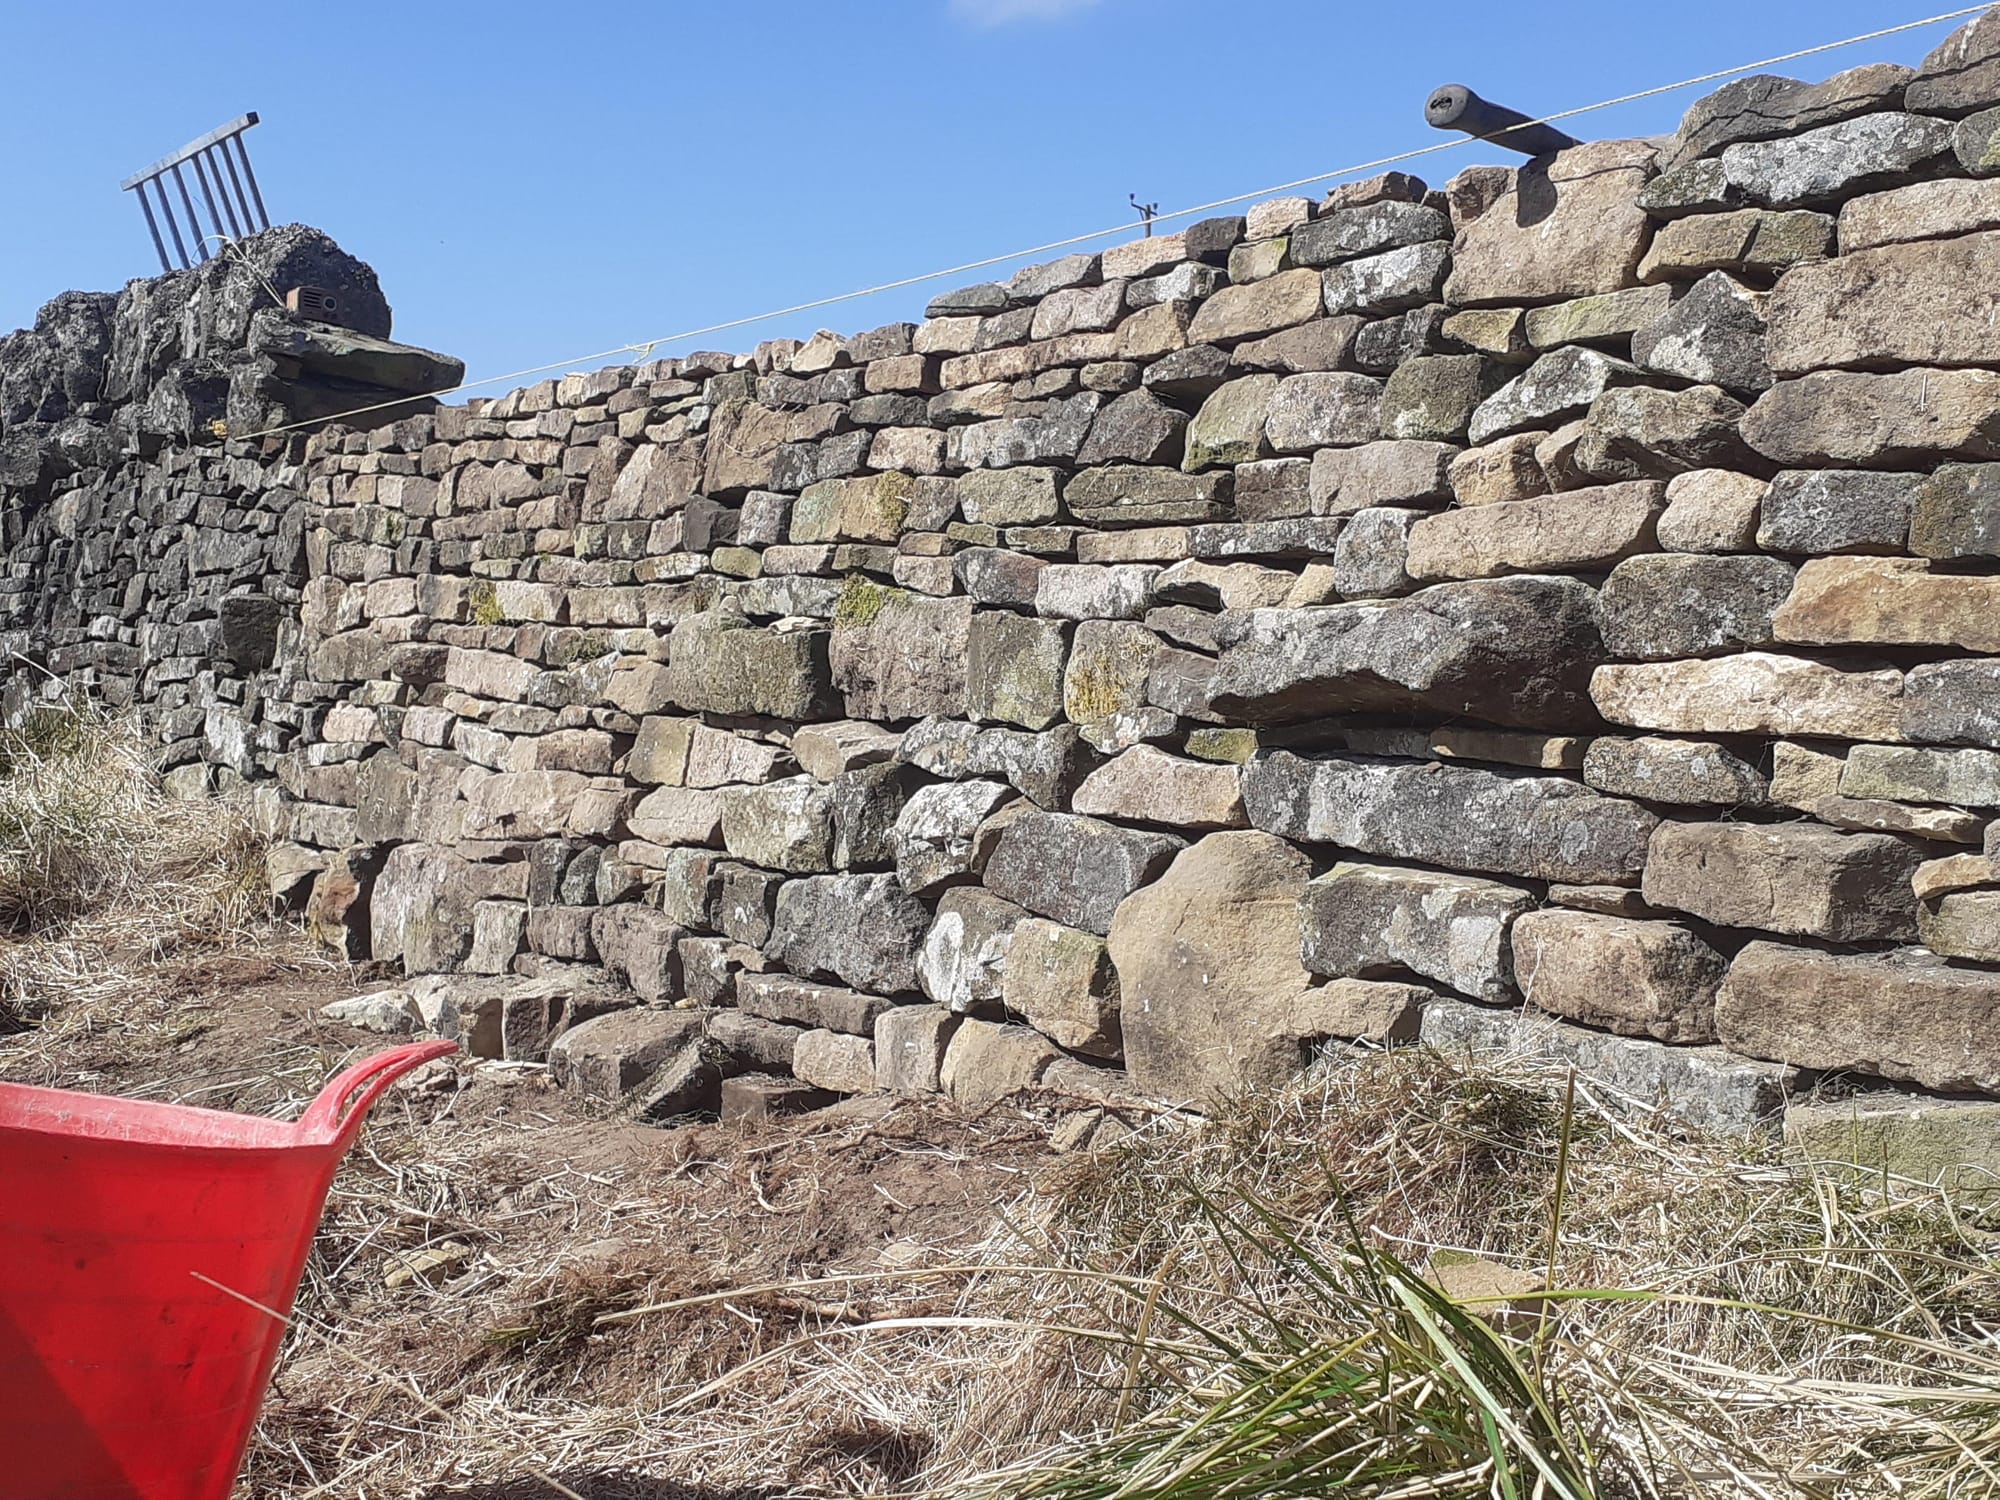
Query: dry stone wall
{"type": "Point", "coordinates": [1559, 610]}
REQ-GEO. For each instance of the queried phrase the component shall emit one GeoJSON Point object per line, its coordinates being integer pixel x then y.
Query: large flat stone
{"type": "Point", "coordinates": [1516, 651]}
{"type": "Point", "coordinates": [1890, 601]}
{"type": "Point", "coordinates": [1540, 827]}
{"type": "Point", "coordinates": [1840, 418]}
{"type": "Point", "coordinates": [1953, 1144]}
{"type": "Point", "coordinates": [1583, 531]}
{"type": "Point", "coordinates": [1370, 921]}
{"type": "Point", "coordinates": [1566, 226]}
{"type": "Point", "coordinates": [1652, 979]}
{"type": "Point", "coordinates": [1929, 303]}
{"type": "Point", "coordinates": [1755, 692]}
{"type": "Point", "coordinates": [1904, 1015]}
{"type": "Point", "coordinates": [1795, 878]}
{"type": "Point", "coordinates": [1838, 161]}
{"type": "Point", "coordinates": [1654, 768]}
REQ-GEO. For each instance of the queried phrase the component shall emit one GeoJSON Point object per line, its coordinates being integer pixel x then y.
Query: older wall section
{"type": "Point", "coordinates": [1559, 605]}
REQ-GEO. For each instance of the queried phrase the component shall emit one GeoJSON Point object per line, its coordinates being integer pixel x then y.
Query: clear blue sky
{"type": "Point", "coordinates": [539, 181]}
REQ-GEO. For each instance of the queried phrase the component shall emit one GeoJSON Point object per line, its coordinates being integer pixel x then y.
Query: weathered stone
{"type": "Point", "coordinates": [1323, 344]}
{"type": "Point", "coordinates": [1321, 410]}
{"type": "Point", "coordinates": [1957, 512]}
{"type": "Point", "coordinates": [1641, 433]}
{"type": "Point", "coordinates": [1349, 233]}
{"type": "Point", "coordinates": [1062, 982]}
{"type": "Point", "coordinates": [1697, 773]}
{"type": "Point", "coordinates": [1933, 210]}
{"type": "Point", "coordinates": [1975, 141]}
{"type": "Point", "coordinates": [1566, 226]}
{"type": "Point", "coordinates": [1024, 496]}
{"type": "Point", "coordinates": [808, 1002]}
{"type": "Point", "coordinates": [1794, 878]}
{"type": "Point", "coordinates": [1503, 470]}
{"type": "Point", "coordinates": [1809, 780]}
{"type": "Point", "coordinates": [835, 1061]}
{"type": "Point", "coordinates": [1818, 511]}
{"type": "Point", "coordinates": [609, 1056]}
{"type": "Point", "coordinates": [1540, 827]}
{"type": "Point", "coordinates": [1654, 979]}
{"type": "Point", "coordinates": [1236, 313]}
{"type": "Point", "coordinates": [1369, 560]}
{"type": "Point", "coordinates": [1108, 666]}
{"type": "Point", "coordinates": [1838, 161]}
{"type": "Point", "coordinates": [1951, 1144]}
{"type": "Point", "coordinates": [1507, 747]}
{"type": "Point", "coordinates": [1229, 428]}
{"type": "Point", "coordinates": [1890, 601]}
{"type": "Point", "coordinates": [1125, 495]}
{"type": "Point", "coordinates": [1014, 669]}
{"type": "Point", "coordinates": [1515, 651]}
{"type": "Point", "coordinates": [1074, 869]}
{"type": "Point", "coordinates": [722, 664]}
{"type": "Point", "coordinates": [1563, 383]}
{"type": "Point", "coordinates": [897, 655]}
{"type": "Point", "coordinates": [910, 1046]}
{"type": "Point", "coordinates": [1209, 977]}
{"type": "Point", "coordinates": [965, 952]}
{"type": "Point", "coordinates": [1610, 317]}
{"type": "Point", "coordinates": [1384, 343]}
{"type": "Point", "coordinates": [1136, 428]}
{"type": "Point", "coordinates": [938, 835]}
{"type": "Point", "coordinates": [986, 1063]}
{"type": "Point", "coordinates": [640, 945]}
{"type": "Point", "coordinates": [421, 905]}
{"type": "Point", "coordinates": [1365, 921]}
{"type": "Point", "coordinates": [867, 509]}
{"type": "Point", "coordinates": [1903, 773]}
{"type": "Point", "coordinates": [1952, 702]}
{"type": "Point", "coordinates": [1715, 335]}
{"type": "Point", "coordinates": [1669, 605]}
{"type": "Point", "coordinates": [827, 750]}
{"type": "Point", "coordinates": [1147, 785]}
{"type": "Point", "coordinates": [1752, 693]}
{"type": "Point", "coordinates": [1082, 591]}
{"type": "Point", "coordinates": [1345, 480]}
{"type": "Point", "coordinates": [1903, 1015]}
{"type": "Point", "coordinates": [1962, 924]}
{"type": "Point", "coordinates": [1764, 107]}
{"type": "Point", "coordinates": [1752, 242]}
{"type": "Point", "coordinates": [1390, 282]}
{"type": "Point", "coordinates": [1928, 303]}
{"type": "Point", "coordinates": [1583, 531]}
{"type": "Point", "coordinates": [1432, 399]}
{"type": "Point", "coordinates": [1043, 767]}
{"type": "Point", "coordinates": [1912, 418]}
{"type": "Point", "coordinates": [1704, 1087]}
{"type": "Point", "coordinates": [1712, 510]}
{"type": "Point", "coordinates": [782, 825]}
{"type": "Point", "coordinates": [1214, 586]}
{"type": "Point", "coordinates": [861, 929]}
{"type": "Point", "coordinates": [1962, 73]}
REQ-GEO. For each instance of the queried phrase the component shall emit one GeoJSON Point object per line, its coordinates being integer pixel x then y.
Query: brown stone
{"type": "Point", "coordinates": [1845, 419]}
{"type": "Point", "coordinates": [1890, 601]}
{"type": "Point", "coordinates": [1795, 878]}
{"type": "Point", "coordinates": [1755, 692]}
{"type": "Point", "coordinates": [1583, 531]}
{"type": "Point", "coordinates": [1568, 226]}
{"type": "Point", "coordinates": [1655, 979]}
{"type": "Point", "coordinates": [1929, 303]}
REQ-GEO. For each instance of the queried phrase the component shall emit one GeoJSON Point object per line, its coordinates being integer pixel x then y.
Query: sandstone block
{"type": "Point", "coordinates": [1391, 282]}
{"type": "Point", "coordinates": [1235, 313]}
{"type": "Point", "coordinates": [1641, 433]}
{"type": "Point", "coordinates": [1712, 510]}
{"type": "Point", "coordinates": [1432, 398]}
{"type": "Point", "coordinates": [1062, 982]}
{"type": "Point", "coordinates": [1025, 496]}
{"type": "Point", "coordinates": [1370, 560]}
{"type": "Point", "coordinates": [1750, 242]}
{"type": "Point", "coordinates": [1515, 651]}
{"type": "Point", "coordinates": [641, 946]}
{"type": "Point", "coordinates": [1654, 979]}
{"type": "Point", "coordinates": [781, 825]}
{"type": "Point", "coordinates": [1838, 161]}
{"type": "Point", "coordinates": [1132, 495]}
{"type": "Point", "coordinates": [1208, 968]}
{"type": "Point", "coordinates": [1666, 605]}
{"type": "Point", "coordinates": [1366, 921]}
{"type": "Point", "coordinates": [826, 750]}
{"type": "Point", "coordinates": [722, 664]}
{"type": "Point", "coordinates": [1567, 226]}
{"type": "Point", "coordinates": [1952, 1144]}
{"type": "Point", "coordinates": [1927, 303]}
{"type": "Point", "coordinates": [1539, 827]}
{"type": "Point", "coordinates": [1756, 692]}
{"type": "Point", "coordinates": [1794, 878]}
{"type": "Point", "coordinates": [1890, 601]}
{"type": "Point", "coordinates": [608, 1056]}
{"type": "Point", "coordinates": [1229, 428]}
{"type": "Point", "coordinates": [1583, 531]}
{"type": "Point", "coordinates": [1323, 409]}
{"type": "Point", "coordinates": [1842, 418]}
{"type": "Point", "coordinates": [807, 1002]}
{"type": "Point", "coordinates": [1609, 317]}
{"type": "Point", "coordinates": [1137, 428]}
{"type": "Point", "coordinates": [1962, 924]}
{"type": "Point", "coordinates": [1074, 869]}
{"type": "Point", "coordinates": [1809, 780]}
{"type": "Point", "coordinates": [835, 1061]}
{"type": "Point", "coordinates": [1957, 512]}
{"type": "Point", "coordinates": [910, 1045]}
{"type": "Point", "coordinates": [1147, 785]}
{"type": "Point", "coordinates": [1904, 773]}
{"type": "Point", "coordinates": [1502, 470]}
{"type": "Point", "coordinates": [897, 655]}
{"type": "Point", "coordinates": [986, 1063]}
{"type": "Point", "coordinates": [964, 953]}
{"type": "Point", "coordinates": [1351, 232]}
{"type": "Point", "coordinates": [1043, 767]}
{"type": "Point", "coordinates": [1902, 1015]}
{"type": "Point", "coordinates": [1344, 480]}
{"type": "Point", "coordinates": [1922, 211]}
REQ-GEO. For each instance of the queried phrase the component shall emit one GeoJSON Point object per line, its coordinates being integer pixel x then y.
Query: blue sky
{"type": "Point", "coordinates": [538, 182]}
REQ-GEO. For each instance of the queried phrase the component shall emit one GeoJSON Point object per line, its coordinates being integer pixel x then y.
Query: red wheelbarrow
{"type": "Point", "coordinates": [124, 1374]}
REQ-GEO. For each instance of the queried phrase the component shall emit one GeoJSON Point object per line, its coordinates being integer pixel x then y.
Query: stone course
{"type": "Point", "coordinates": [1558, 611]}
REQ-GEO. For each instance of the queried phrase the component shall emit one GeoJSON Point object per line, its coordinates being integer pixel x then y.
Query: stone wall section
{"type": "Point", "coordinates": [1563, 607]}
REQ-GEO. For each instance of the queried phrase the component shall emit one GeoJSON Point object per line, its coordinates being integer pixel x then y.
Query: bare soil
{"type": "Point", "coordinates": [450, 1337]}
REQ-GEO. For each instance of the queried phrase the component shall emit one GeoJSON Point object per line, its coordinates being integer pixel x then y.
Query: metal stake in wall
{"type": "Point", "coordinates": [232, 211]}
{"type": "Point", "coordinates": [1147, 212]}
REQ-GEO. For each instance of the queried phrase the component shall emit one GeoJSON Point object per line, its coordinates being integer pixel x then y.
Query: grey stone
{"type": "Point", "coordinates": [1904, 773]}
{"type": "Point", "coordinates": [1561, 384]}
{"type": "Point", "coordinates": [722, 664]}
{"type": "Point", "coordinates": [1368, 559]}
{"type": "Point", "coordinates": [1707, 1088]}
{"type": "Point", "coordinates": [1344, 480]}
{"type": "Point", "coordinates": [1818, 511]}
{"type": "Point", "coordinates": [1582, 531]}
{"type": "Point", "coordinates": [641, 946]}
{"type": "Point", "coordinates": [1962, 73]}
{"type": "Point", "coordinates": [1137, 428]}
{"type": "Point", "coordinates": [897, 655]}
{"type": "Point", "coordinates": [1540, 827]}
{"type": "Point", "coordinates": [1322, 409]}
{"type": "Point", "coordinates": [782, 825]}
{"type": "Point", "coordinates": [1129, 495]}
{"type": "Point", "coordinates": [1670, 605]}
{"type": "Point", "coordinates": [910, 1045]}
{"type": "Point", "coordinates": [1044, 767]}
{"type": "Point", "coordinates": [1765, 107]}
{"type": "Point", "coordinates": [1349, 233]}
{"type": "Point", "coordinates": [860, 929]}
{"type": "Point", "coordinates": [1229, 428]}
{"type": "Point", "coordinates": [1653, 768]}
{"type": "Point", "coordinates": [1715, 335]}
{"type": "Point", "coordinates": [1957, 512]}
{"type": "Point", "coordinates": [1366, 921]}
{"type": "Point", "coordinates": [1508, 651]}
{"type": "Point", "coordinates": [1008, 497]}
{"type": "Point", "coordinates": [1860, 155]}
{"type": "Point", "coordinates": [866, 803]}
{"type": "Point", "coordinates": [1641, 433]}
{"type": "Point", "coordinates": [1390, 282]}
{"type": "Point", "coordinates": [1953, 702]}
{"type": "Point", "coordinates": [964, 955]}
{"type": "Point", "coordinates": [1380, 346]}
{"type": "Point", "coordinates": [609, 1056]}
{"type": "Point", "coordinates": [1432, 399]}
{"type": "Point", "coordinates": [808, 1002]}
{"type": "Point", "coordinates": [940, 835]}
{"type": "Point", "coordinates": [1074, 869]}
{"type": "Point", "coordinates": [1014, 669]}
{"type": "Point", "coordinates": [1712, 510]}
